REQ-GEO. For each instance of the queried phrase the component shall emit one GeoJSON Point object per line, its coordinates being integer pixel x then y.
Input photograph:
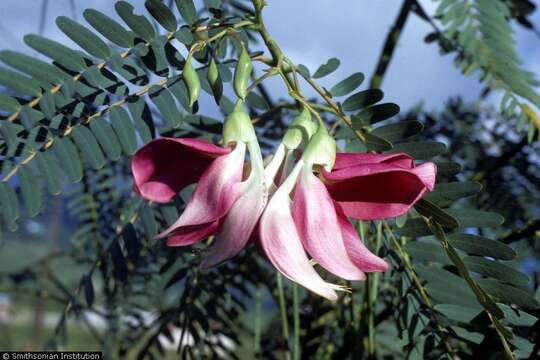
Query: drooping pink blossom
{"type": "Point", "coordinates": [162, 168]}
{"type": "Point", "coordinates": [226, 202]}
{"type": "Point", "coordinates": [316, 219]}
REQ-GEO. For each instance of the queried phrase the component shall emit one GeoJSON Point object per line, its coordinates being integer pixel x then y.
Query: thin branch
{"type": "Point", "coordinates": [390, 43]}
{"type": "Point", "coordinates": [528, 230]}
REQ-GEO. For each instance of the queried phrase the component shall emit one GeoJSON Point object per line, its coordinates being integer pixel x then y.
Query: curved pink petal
{"type": "Point", "coordinates": [165, 166]}
{"type": "Point", "coordinates": [215, 192]}
{"type": "Point", "coordinates": [359, 254]}
{"type": "Point", "coordinates": [427, 172]}
{"type": "Point", "coordinates": [379, 191]}
{"type": "Point", "coordinates": [189, 235]}
{"type": "Point", "coordinates": [317, 223]}
{"type": "Point", "coordinates": [344, 160]}
{"type": "Point", "coordinates": [238, 224]}
{"type": "Point", "coordinates": [281, 242]}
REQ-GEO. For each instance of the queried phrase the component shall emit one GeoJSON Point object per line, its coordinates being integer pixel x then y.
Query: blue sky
{"type": "Point", "coordinates": [310, 32]}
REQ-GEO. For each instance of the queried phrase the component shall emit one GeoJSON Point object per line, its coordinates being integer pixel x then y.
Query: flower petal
{"type": "Point", "coordinates": [427, 172]}
{"type": "Point", "coordinates": [238, 224]}
{"type": "Point", "coordinates": [281, 243]}
{"type": "Point", "coordinates": [165, 166]}
{"type": "Point", "coordinates": [359, 254]}
{"type": "Point", "coordinates": [189, 235]}
{"type": "Point", "coordinates": [215, 192]}
{"type": "Point", "coordinates": [378, 191]}
{"type": "Point", "coordinates": [344, 160]}
{"type": "Point", "coordinates": [316, 220]}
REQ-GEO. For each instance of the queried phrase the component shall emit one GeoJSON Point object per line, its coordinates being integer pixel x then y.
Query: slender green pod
{"type": "Point", "coordinates": [191, 79]}
{"type": "Point", "coordinates": [242, 74]}
{"type": "Point", "coordinates": [215, 80]}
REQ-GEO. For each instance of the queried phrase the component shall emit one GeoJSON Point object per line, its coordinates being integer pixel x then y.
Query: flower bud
{"type": "Point", "coordinates": [301, 129]}
{"type": "Point", "coordinates": [321, 149]}
{"type": "Point", "coordinates": [238, 126]}
{"type": "Point", "coordinates": [242, 73]}
{"type": "Point", "coordinates": [214, 80]}
{"type": "Point", "coordinates": [191, 80]}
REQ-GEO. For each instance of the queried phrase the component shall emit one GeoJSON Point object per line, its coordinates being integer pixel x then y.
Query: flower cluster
{"type": "Point", "coordinates": [298, 204]}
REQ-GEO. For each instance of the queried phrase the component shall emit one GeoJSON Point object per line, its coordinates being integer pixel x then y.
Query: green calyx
{"type": "Point", "coordinates": [302, 129]}
{"type": "Point", "coordinates": [321, 149]}
{"type": "Point", "coordinates": [238, 126]}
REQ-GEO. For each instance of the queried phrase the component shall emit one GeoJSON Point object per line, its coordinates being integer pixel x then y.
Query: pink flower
{"type": "Point", "coordinates": [362, 186]}
{"type": "Point", "coordinates": [378, 186]}
{"type": "Point", "coordinates": [223, 203]}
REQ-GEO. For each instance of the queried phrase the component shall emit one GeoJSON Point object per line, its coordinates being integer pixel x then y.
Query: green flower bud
{"type": "Point", "coordinates": [238, 126]}
{"type": "Point", "coordinates": [191, 79]}
{"type": "Point", "coordinates": [321, 149]}
{"type": "Point", "coordinates": [301, 129]}
{"type": "Point", "coordinates": [242, 73]}
{"type": "Point", "coordinates": [214, 80]}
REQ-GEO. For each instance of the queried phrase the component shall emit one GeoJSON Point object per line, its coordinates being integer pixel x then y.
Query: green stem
{"type": "Point", "coordinates": [335, 108]}
{"type": "Point", "coordinates": [283, 312]}
{"type": "Point", "coordinates": [373, 289]}
{"type": "Point", "coordinates": [296, 324]}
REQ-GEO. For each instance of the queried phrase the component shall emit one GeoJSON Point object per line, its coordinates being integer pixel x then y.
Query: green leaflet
{"type": "Point", "coordinates": [50, 170]}
{"type": "Point", "coordinates": [427, 252]}
{"type": "Point", "coordinates": [361, 100]}
{"type": "Point", "coordinates": [508, 294]}
{"type": "Point", "coordinates": [187, 10]}
{"type": "Point", "coordinates": [7, 103]}
{"type": "Point", "coordinates": [140, 113]}
{"type": "Point", "coordinates": [476, 218]}
{"type": "Point", "coordinates": [347, 85]}
{"type": "Point", "coordinates": [38, 69]}
{"type": "Point", "coordinates": [162, 14]}
{"type": "Point", "coordinates": [421, 150]}
{"type": "Point", "coordinates": [430, 210]}
{"type": "Point", "coordinates": [164, 101]}
{"type": "Point", "coordinates": [329, 67]}
{"type": "Point", "coordinates": [31, 190]}
{"type": "Point", "coordinates": [68, 158]}
{"type": "Point", "coordinates": [65, 56]}
{"type": "Point", "coordinates": [446, 193]}
{"type": "Point", "coordinates": [10, 205]}
{"type": "Point", "coordinates": [106, 137]}
{"type": "Point", "coordinates": [138, 23]}
{"type": "Point", "coordinates": [124, 129]}
{"type": "Point", "coordinates": [478, 245]}
{"type": "Point", "coordinates": [375, 113]}
{"type": "Point", "coordinates": [84, 37]}
{"type": "Point", "coordinates": [497, 270]}
{"type": "Point", "coordinates": [89, 147]}
{"type": "Point", "coordinates": [398, 131]}
{"type": "Point", "coordinates": [110, 29]}
{"type": "Point", "coordinates": [19, 83]}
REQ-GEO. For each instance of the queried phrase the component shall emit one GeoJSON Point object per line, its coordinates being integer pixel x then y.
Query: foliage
{"type": "Point", "coordinates": [70, 126]}
{"type": "Point", "coordinates": [481, 34]}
